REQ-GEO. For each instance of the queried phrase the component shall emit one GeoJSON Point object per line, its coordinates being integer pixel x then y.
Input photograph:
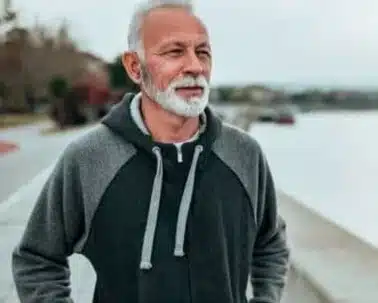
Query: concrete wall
{"type": "Point", "coordinates": [300, 289]}
{"type": "Point", "coordinates": [327, 260]}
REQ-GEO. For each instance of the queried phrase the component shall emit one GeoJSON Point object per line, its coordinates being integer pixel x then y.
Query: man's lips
{"type": "Point", "coordinates": [190, 90]}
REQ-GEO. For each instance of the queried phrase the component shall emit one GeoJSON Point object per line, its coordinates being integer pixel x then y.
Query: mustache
{"type": "Point", "coordinates": [189, 81]}
{"type": "Point", "coordinates": [186, 81]}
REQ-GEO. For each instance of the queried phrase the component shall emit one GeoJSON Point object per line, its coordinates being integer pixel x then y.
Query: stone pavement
{"type": "Point", "coordinates": [34, 152]}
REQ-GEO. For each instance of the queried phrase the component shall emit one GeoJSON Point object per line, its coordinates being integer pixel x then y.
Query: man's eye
{"type": "Point", "coordinates": [204, 53]}
{"type": "Point", "coordinates": [175, 52]}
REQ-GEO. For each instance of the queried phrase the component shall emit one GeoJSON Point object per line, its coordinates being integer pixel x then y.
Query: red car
{"type": "Point", "coordinates": [285, 116]}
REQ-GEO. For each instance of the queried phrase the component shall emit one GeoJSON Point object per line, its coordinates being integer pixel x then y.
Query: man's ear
{"type": "Point", "coordinates": [131, 64]}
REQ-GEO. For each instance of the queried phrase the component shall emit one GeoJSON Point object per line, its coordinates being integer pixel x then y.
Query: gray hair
{"type": "Point", "coordinates": [134, 38]}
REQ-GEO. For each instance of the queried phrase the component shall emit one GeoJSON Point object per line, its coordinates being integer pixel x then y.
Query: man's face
{"type": "Point", "coordinates": [177, 61]}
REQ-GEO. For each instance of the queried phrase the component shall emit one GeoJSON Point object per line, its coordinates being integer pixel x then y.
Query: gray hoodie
{"type": "Point", "coordinates": [157, 229]}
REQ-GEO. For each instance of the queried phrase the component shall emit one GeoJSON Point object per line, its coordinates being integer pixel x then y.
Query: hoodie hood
{"type": "Point", "coordinates": [120, 120]}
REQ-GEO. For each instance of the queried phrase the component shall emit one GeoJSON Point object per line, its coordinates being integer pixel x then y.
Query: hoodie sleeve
{"type": "Point", "coordinates": [40, 261]}
{"type": "Point", "coordinates": [271, 253]}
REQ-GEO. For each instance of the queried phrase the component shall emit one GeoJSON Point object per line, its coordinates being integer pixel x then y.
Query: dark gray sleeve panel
{"type": "Point", "coordinates": [61, 218]}
{"type": "Point", "coordinates": [99, 156]}
{"type": "Point", "coordinates": [243, 155]}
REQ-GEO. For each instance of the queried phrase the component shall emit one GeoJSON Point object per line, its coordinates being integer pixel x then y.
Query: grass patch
{"type": "Point", "coordinates": [55, 129]}
{"type": "Point", "coordinates": [13, 120]}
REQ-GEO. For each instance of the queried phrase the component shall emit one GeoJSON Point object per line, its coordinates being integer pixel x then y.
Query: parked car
{"type": "Point", "coordinates": [286, 115]}
{"type": "Point", "coordinates": [285, 118]}
{"type": "Point", "coordinates": [268, 115]}
{"type": "Point", "coordinates": [281, 115]}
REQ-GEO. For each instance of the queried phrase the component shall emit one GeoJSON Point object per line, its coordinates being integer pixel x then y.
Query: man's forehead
{"type": "Point", "coordinates": [169, 26]}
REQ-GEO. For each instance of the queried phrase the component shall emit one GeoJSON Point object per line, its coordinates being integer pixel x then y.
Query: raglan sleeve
{"type": "Point", "coordinates": [40, 260]}
{"type": "Point", "coordinates": [271, 253]}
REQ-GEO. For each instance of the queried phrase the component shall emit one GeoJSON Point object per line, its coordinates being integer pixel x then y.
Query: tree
{"type": "Point", "coordinates": [58, 87]}
{"type": "Point", "coordinates": [225, 93]}
{"type": "Point", "coordinates": [3, 90]}
{"type": "Point", "coordinates": [3, 95]}
{"type": "Point", "coordinates": [119, 79]}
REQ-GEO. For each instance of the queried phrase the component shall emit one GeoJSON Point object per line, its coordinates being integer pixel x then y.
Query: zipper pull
{"type": "Point", "coordinates": [179, 154]}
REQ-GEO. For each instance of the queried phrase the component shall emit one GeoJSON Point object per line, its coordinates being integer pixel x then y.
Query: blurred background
{"type": "Point", "coordinates": [299, 76]}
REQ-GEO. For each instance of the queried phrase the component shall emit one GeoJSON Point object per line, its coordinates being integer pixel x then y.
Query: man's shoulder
{"type": "Point", "coordinates": [238, 140]}
{"type": "Point", "coordinates": [96, 143]}
{"type": "Point", "coordinates": [91, 140]}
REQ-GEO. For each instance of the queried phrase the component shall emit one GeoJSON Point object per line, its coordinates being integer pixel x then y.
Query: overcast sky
{"type": "Point", "coordinates": [298, 42]}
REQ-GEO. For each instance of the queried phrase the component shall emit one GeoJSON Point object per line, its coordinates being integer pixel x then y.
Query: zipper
{"type": "Point", "coordinates": [179, 154]}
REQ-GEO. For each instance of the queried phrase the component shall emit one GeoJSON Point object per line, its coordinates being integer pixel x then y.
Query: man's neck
{"type": "Point", "coordinates": [164, 126]}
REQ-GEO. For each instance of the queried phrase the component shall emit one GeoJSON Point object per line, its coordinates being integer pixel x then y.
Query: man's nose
{"type": "Point", "coordinates": [193, 64]}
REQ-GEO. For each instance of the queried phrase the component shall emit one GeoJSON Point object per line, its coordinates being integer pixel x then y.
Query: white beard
{"type": "Point", "coordinates": [170, 101]}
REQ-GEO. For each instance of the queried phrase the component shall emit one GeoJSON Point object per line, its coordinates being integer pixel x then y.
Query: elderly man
{"type": "Point", "coordinates": [167, 203]}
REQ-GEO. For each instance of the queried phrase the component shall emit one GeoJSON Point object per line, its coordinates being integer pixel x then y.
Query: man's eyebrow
{"type": "Point", "coordinates": [180, 44]}
{"type": "Point", "coordinates": [170, 44]}
{"type": "Point", "coordinates": [204, 45]}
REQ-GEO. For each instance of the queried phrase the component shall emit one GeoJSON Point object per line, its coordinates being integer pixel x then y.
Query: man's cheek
{"type": "Point", "coordinates": [162, 77]}
{"type": "Point", "coordinates": [158, 81]}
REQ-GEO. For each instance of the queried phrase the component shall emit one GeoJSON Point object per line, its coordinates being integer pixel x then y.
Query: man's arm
{"type": "Point", "coordinates": [40, 261]}
{"type": "Point", "coordinates": [271, 253]}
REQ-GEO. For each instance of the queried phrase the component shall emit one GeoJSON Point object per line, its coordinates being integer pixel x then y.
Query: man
{"type": "Point", "coordinates": [168, 203]}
